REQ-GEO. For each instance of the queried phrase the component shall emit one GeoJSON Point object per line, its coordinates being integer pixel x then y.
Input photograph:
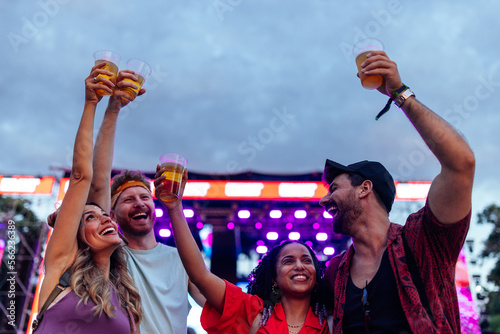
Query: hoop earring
{"type": "Point", "coordinates": [275, 289]}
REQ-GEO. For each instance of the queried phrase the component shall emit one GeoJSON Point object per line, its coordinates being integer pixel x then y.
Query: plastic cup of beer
{"type": "Point", "coordinates": [359, 51]}
{"type": "Point", "coordinates": [112, 60]}
{"type": "Point", "coordinates": [174, 165]}
{"type": "Point", "coordinates": [142, 71]}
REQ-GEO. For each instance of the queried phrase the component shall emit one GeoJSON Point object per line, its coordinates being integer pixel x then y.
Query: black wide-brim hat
{"type": "Point", "coordinates": [383, 183]}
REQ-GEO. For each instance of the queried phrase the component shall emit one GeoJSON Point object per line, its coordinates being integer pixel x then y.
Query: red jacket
{"type": "Point", "coordinates": [240, 310]}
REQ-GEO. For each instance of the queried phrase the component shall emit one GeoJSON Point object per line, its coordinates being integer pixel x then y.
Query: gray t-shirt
{"type": "Point", "coordinates": [162, 281]}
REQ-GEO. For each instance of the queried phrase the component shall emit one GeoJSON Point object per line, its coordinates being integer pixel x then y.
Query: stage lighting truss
{"type": "Point", "coordinates": [270, 222]}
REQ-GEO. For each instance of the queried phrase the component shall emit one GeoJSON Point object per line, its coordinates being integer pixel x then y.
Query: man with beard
{"type": "Point", "coordinates": [395, 278]}
{"type": "Point", "coordinates": [156, 268]}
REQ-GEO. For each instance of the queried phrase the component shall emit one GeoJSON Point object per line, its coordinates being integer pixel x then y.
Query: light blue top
{"type": "Point", "coordinates": [162, 282]}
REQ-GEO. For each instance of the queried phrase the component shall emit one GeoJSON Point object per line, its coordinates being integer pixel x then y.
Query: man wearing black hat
{"type": "Point", "coordinates": [399, 278]}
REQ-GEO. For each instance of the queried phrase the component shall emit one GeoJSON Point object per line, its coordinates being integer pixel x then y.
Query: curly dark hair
{"type": "Point", "coordinates": [262, 277]}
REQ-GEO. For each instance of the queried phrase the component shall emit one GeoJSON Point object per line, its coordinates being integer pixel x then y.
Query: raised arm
{"type": "Point", "coordinates": [210, 285]}
{"type": "Point", "coordinates": [62, 247]}
{"type": "Point", "coordinates": [100, 192]}
{"type": "Point", "coordinates": [451, 190]}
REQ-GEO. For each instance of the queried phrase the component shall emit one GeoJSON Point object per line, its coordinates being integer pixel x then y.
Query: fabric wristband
{"type": "Point", "coordinates": [393, 96]}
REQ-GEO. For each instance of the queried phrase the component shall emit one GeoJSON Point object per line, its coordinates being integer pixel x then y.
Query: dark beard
{"type": "Point", "coordinates": [346, 215]}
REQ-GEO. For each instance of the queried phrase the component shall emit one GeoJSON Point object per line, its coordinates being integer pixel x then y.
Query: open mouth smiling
{"type": "Point", "coordinates": [108, 231]}
{"type": "Point", "coordinates": [299, 277]}
{"type": "Point", "coordinates": [140, 215]}
{"type": "Point", "coordinates": [332, 210]}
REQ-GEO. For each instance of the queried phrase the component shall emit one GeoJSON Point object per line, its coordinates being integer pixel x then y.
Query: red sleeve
{"type": "Point", "coordinates": [240, 310]}
{"type": "Point", "coordinates": [423, 228]}
{"type": "Point", "coordinates": [331, 272]}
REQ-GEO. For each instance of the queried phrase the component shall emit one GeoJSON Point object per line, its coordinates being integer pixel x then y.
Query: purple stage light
{"type": "Point", "coordinates": [315, 226]}
{"type": "Point", "coordinates": [260, 243]}
{"type": "Point", "coordinates": [243, 214]}
{"type": "Point", "coordinates": [258, 225]}
{"type": "Point", "coordinates": [199, 225]}
{"type": "Point", "coordinates": [329, 251]}
{"type": "Point", "coordinates": [275, 214]}
{"type": "Point", "coordinates": [164, 233]}
{"type": "Point", "coordinates": [158, 213]}
{"type": "Point", "coordinates": [272, 235]}
{"type": "Point", "coordinates": [289, 226]}
{"type": "Point", "coordinates": [322, 236]}
{"type": "Point", "coordinates": [261, 249]}
{"type": "Point", "coordinates": [188, 213]}
{"type": "Point", "coordinates": [309, 243]}
{"type": "Point", "coordinates": [300, 214]}
{"type": "Point", "coordinates": [230, 225]}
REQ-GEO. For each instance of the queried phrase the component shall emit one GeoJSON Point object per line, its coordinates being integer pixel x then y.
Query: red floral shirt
{"type": "Point", "coordinates": [436, 248]}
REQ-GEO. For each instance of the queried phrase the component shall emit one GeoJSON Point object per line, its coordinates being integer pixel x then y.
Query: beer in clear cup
{"type": "Point", "coordinates": [142, 71]}
{"type": "Point", "coordinates": [360, 50]}
{"type": "Point", "coordinates": [112, 60]}
{"type": "Point", "coordinates": [175, 165]}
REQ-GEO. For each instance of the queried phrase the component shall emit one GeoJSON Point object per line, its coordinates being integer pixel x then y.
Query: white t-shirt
{"type": "Point", "coordinates": [162, 282]}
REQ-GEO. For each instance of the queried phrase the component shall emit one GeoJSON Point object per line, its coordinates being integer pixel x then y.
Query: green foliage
{"type": "Point", "coordinates": [495, 323]}
{"type": "Point", "coordinates": [493, 306]}
{"type": "Point", "coordinates": [491, 215]}
{"type": "Point", "coordinates": [17, 209]}
{"type": "Point", "coordinates": [26, 241]}
{"type": "Point", "coordinates": [494, 275]}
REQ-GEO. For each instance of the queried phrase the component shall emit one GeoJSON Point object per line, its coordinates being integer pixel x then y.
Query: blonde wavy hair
{"type": "Point", "coordinates": [88, 281]}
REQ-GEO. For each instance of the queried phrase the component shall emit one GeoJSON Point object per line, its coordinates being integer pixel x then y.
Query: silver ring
{"type": "Point", "coordinates": [95, 79]}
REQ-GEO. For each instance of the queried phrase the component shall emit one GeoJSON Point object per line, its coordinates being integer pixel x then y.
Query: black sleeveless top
{"type": "Point", "coordinates": [380, 310]}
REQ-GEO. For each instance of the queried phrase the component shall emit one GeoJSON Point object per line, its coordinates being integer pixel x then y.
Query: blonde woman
{"type": "Point", "coordinates": [86, 244]}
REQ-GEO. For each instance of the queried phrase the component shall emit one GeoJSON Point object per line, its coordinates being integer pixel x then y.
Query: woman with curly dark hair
{"type": "Point", "coordinates": [285, 294]}
{"type": "Point", "coordinates": [262, 281]}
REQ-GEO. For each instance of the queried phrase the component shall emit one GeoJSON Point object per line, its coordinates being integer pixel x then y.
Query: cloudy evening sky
{"type": "Point", "coordinates": [238, 85]}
